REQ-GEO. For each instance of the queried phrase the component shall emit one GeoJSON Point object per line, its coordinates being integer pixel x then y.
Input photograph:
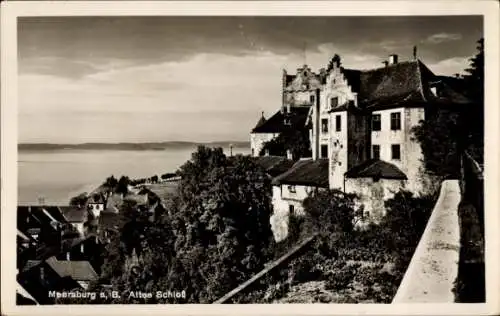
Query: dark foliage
{"type": "Point", "coordinates": [78, 200]}
{"type": "Point", "coordinates": [214, 237]}
{"type": "Point", "coordinates": [446, 133]}
{"type": "Point", "coordinates": [295, 140]}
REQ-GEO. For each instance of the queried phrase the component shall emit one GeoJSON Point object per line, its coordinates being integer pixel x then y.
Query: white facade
{"type": "Point", "coordinates": [287, 198]}
{"type": "Point", "coordinates": [372, 195]}
{"type": "Point", "coordinates": [96, 209]}
{"type": "Point", "coordinates": [257, 141]}
{"type": "Point", "coordinates": [410, 152]}
{"type": "Point", "coordinates": [338, 151]}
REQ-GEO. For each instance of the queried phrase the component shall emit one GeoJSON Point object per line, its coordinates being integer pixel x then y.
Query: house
{"type": "Point", "coordinates": [290, 117]}
{"type": "Point", "coordinates": [96, 204]}
{"type": "Point", "coordinates": [109, 223]}
{"type": "Point", "coordinates": [291, 188]}
{"type": "Point", "coordinates": [361, 123]}
{"type": "Point", "coordinates": [298, 95]}
{"type": "Point", "coordinates": [40, 277]}
{"type": "Point", "coordinates": [371, 116]}
{"type": "Point", "coordinates": [41, 224]}
{"type": "Point", "coordinates": [375, 181]}
{"type": "Point", "coordinates": [75, 216]}
{"type": "Point", "coordinates": [89, 248]}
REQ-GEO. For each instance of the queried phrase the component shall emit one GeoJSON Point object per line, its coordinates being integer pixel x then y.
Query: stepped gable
{"type": "Point", "coordinates": [306, 172]}
{"type": "Point", "coordinates": [375, 168]}
{"type": "Point", "coordinates": [276, 123]}
{"type": "Point", "coordinates": [304, 80]}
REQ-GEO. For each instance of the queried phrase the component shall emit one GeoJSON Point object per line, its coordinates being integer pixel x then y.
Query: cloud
{"type": "Point", "coordinates": [208, 94]}
{"type": "Point", "coordinates": [443, 37]}
{"type": "Point", "coordinates": [450, 66]}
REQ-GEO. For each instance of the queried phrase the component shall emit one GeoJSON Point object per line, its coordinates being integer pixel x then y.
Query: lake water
{"type": "Point", "coordinates": [56, 176]}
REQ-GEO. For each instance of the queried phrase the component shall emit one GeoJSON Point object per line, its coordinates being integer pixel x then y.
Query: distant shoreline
{"type": "Point", "coordinates": [128, 146]}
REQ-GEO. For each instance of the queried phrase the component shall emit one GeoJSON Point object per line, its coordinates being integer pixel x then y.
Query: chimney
{"type": "Point", "coordinates": [393, 59]}
{"type": "Point", "coordinates": [414, 52]}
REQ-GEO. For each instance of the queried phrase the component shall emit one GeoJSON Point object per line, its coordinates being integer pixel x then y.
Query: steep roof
{"type": "Point", "coordinates": [406, 83]}
{"type": "Point", "coordinates": [274, 165]}
{"type": "Point", "coordinates": [74, 214]}
{"type": "Point", "coordinates": [77, 270]}
{"type": "Point", "coordinates": [353, 78]}
{"type": "Point", "coordinates": [110, 220]}
{"type": "Point", "coordinates": [305, 172]}
{"type": "Point", "coordinates": [374, 168]}
{"type": "Point", "coordinates": [261, 121]}
{"type": "Point", "coordinates": [276, 123]}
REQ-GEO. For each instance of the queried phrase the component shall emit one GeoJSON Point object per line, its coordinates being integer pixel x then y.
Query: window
{"type": "Point", "coordinates": [395, 121]}
{"type": "Point", "coordinates": [287, 121]}
{"type": "Point", "coordinates": [376, 126]}
{"type": "Point", "coordinates": [376, 151]}
{"type": "Point", "coordinates": [338, 121]}
{"type": "Point", "coordinates": [291, 209]}
{"type": "Point", "coordinates": [312, 98]}
{"type": "Point", "coordinates": [324, 126]}
{"type": "Point", "coordinates": [253, 151]}
{"type": "Point", "coordinates": [291, 189]}
{"type": "Point", "coordinates": [324, 151]}
{"type": "Point", "coordinates": [334, 102]}
{"type": "Point", "coordinates": [396, 152]}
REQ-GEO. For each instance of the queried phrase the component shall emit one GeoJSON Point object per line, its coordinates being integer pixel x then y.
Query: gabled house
{"type": "Point", "coordinates": [75, 216]}
{"type": "Point", "coordinates": [291, 117]}
{"type": "Point", "coordinates": [361, 122]}
{"type": "Point", "coordinates": [88, 249]}
{"type": "Point", "coordinates": [298, 95]}
{"type": "Point", "coordinates": [40, 277]}
{"type": "Point", "coordinates": [96, 204]}
{"type": "Point", "coordinates": [291, 188]}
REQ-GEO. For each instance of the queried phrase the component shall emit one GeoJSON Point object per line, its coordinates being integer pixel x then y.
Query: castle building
{"type": "Point", "coordinates": [298, 95]}
{"type": "Point", "coordinates": [361, 122]}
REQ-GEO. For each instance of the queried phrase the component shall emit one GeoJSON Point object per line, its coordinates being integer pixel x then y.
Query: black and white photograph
{"type": "Point", "coordinates": [249, 159]}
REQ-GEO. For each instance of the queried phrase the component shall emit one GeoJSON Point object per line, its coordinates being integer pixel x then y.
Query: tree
{"type": "Point", "coordinates": [474, 116]}
{"type": "Point", "coordinates": [295, 140]}
{"type": "Point", "coordinates": [122, 185]}
{"type": "Point", "coordinates": [78, 200]}
{"type": "Point", "coordinates": [214, 236]}
{"type": "Point", "coordinates": [154, 179]}
{"type": "Point", "coordinates": [110, 183]}
{"type": "Point", "coordinates": [330, 213]}
{"type": "Point", "coordinates": [475, 76]}
{"type": "Point", "coordinates": [439, 137]}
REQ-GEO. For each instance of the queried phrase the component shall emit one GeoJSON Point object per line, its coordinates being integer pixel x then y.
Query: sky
{"type": "Point", "coordinates": [141, 79]}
